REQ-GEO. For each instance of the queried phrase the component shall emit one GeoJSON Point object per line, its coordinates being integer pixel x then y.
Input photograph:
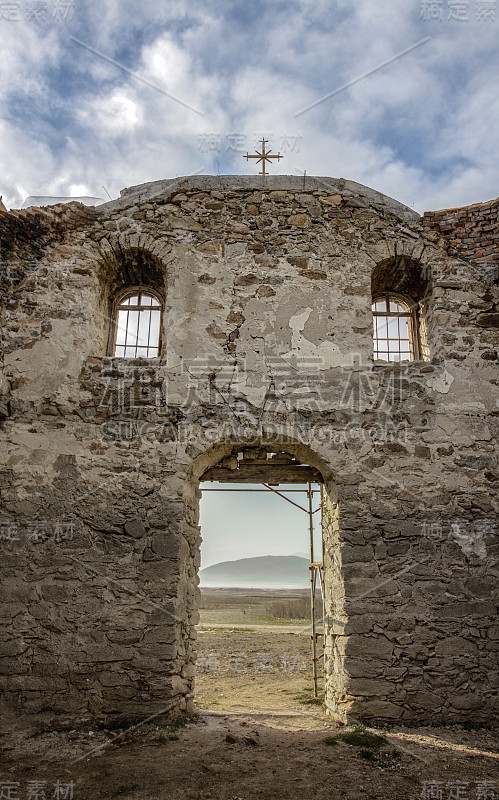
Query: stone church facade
{"type": "Point", "coordinates": [264, 292]}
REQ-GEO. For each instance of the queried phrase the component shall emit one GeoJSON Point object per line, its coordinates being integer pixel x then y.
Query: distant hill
{"type": "Point", "coordinates": [261, 572]}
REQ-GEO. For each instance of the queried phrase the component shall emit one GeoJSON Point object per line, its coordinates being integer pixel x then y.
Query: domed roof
{"type": "Point", "coordinates": [357, 194]}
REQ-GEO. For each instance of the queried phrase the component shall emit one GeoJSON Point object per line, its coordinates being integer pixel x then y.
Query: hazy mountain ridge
{"type": "Point", "coordinates": [268, 571]}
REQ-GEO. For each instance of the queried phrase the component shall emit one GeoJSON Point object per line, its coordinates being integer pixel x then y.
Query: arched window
{"type": "Point", "coordinates": [137, 325]}
{"type": "Point", "coordinates": [395, 329]}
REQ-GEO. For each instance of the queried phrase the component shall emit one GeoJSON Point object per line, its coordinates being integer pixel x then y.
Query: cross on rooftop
{"type": "Point", "coordinates": [263, 156]}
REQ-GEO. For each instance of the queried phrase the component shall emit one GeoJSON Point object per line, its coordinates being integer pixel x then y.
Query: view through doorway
{"type": "Point", "coordinates": [261, 565]}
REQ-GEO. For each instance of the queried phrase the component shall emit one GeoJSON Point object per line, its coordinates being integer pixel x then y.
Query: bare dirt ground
{"type": "Point", "coordinates": [259, 734]}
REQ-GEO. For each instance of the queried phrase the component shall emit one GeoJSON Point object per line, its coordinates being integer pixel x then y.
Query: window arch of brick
{"type": "Point", "coordinates": [137, 322]}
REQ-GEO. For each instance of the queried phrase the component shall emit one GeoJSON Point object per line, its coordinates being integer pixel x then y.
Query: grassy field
{"type": "Point", "coordinates": [254, 650]}
{"type": "Point", "coordinates": [235, 606]}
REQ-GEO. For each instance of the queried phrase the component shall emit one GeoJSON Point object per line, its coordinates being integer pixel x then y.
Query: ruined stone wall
{"type": "Point", "coordinates": [267, 341]}
{"type": "Point", "coordinates": [470, 232]}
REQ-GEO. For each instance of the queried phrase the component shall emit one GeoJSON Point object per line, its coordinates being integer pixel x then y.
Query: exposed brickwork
{"type": "Point", "coordinates": [472, 232]}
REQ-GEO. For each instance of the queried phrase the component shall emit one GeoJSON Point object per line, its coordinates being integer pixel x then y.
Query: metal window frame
{"type": "Point", "coordinates": [118, 306]}
{"type": "Point", "coordinates": [411, 315]}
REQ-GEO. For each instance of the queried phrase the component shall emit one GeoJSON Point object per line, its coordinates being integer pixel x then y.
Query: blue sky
{"type": "Point", "coordinates": [242, 524]}
{"type": "Point", "coordinates": [422, 129]}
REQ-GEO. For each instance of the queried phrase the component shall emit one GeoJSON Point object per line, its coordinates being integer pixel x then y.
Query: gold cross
{"type": "Point", "coordinates": [263, 157]}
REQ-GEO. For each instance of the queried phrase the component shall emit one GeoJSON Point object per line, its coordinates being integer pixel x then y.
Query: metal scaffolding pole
{"type": "Point", "coordinates": [316, 572]}
{"type": "Point", "coordinates": [312, 585]}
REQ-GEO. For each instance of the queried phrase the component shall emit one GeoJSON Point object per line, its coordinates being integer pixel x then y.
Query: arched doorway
{"type": "Point", "coordinates": [271, 464]}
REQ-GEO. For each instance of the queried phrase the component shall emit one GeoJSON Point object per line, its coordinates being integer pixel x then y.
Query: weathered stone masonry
{"type": "Point", "coordinates": [267, 343]}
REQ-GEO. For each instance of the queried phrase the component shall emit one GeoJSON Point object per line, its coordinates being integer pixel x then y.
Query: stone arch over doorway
{"type": "Point", "coordinates": [208, 458]}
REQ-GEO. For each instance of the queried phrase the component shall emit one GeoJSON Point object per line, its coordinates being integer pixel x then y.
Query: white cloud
{"type": "Point", "coordinates": [421, 129]}
{"type": "Point", "coordinates": [115, 113]}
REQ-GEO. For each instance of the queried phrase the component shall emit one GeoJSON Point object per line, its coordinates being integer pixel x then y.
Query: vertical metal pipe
{"type": "Point", "coordinates": [312, 585]}
{"type": "Point", "coordinates": [323, 551]}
